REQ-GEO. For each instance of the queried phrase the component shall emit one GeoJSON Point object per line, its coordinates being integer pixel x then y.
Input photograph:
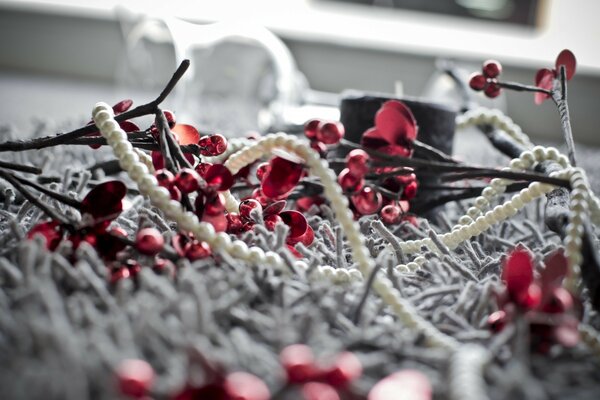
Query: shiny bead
{"type": "Point", "coordinates": [164, 177]}
{"type": "Point", "coordinates": [311, 128]}
{"type": "Point", "coordinates": [477, 81]}
{"type": "Point", "coordinates": [492, 90]}
{"type": "Point", "coordinates": [345, 369]}
{"type": "Point", "coordinates": [357, 161]}
{"type": "Point", "coordinates": [491, 68]}
{"type": "Point", "coordinates": [246, 208]}
{"type": "Point", "coordinates": [187, 180]}
{"type": "Point", "coordinates": [298, 362]}
{"type": "Point", "coordinates": [135, 378]}
{"type": "Point", "coordinates": [245, 386]}
{"type": "Point", "coordinates": [390, 214]}
{"type": "Point", "coordinates": [149, 241]}
{"type": "Point", "coordinates": [367, 201]}
{"type": "Point", "coordinates": [350, 182]}
{"type": "Point", "coordinates": [330, 132]}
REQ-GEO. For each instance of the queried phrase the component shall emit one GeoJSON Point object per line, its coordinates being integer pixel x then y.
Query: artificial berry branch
{"type": "Point", "coordinates": [560, 99]}
{"type": "Point", "coordinates": [63, 138]}
{"type": "Point", "coordinates": [20, 167]}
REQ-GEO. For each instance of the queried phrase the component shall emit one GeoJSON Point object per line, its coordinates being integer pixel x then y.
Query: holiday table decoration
{"type": "Point", "coordinates": [193, 266]}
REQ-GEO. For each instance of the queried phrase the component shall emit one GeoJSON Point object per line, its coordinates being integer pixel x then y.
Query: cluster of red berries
{"type": "Point", "coordinates": [551, 310]}
{"type": "Point", "coordinates": [322, 133]}
{"type": "Point", "coordinates": [488, 79]}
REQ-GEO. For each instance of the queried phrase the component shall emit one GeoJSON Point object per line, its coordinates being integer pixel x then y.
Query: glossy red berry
{"type": "Point", "coordinates": [357, 161]}
{"type": "Point", "coordinates": [164, 177]}
{"type": "Point", "coordinates": [497, 321]}
{"type": "Point", "coordinates": [319, 391]}
{"type": "Point", "coordinates": [311, 127]}
{"type": "Point", "coordinates": [187, 180]}
{"type": "Point", "coordinates": [149, 241]}
{"type": "Point", "coordinates": [346, 368]}
{"type": "Point", "coordinates": [218, 177]}
{"type": "Point", "coordinates": [410, 190]}
{"type": "Point", "coordinates": [271, 221]}
{"type": "Point", "coordinates": [50, 230]}
{"type": "Point", "coordinates": [246, 207]}
{"type": "Point", "coordinates": [299, 363]}
{"type": "Point", "coordinates": [492, 90]}
{"type": "Point", "coordinates": [258, 195]}
{"type": "Point", "coordinates": [390, 214]}
{"type": "Point", "coordinates": [261, 170]}
{"type": "Point", "coordinates": [477, 81]}
{"type": "Point", "coordinates": [212, 145]}
{"type": "Point", "coordinates": [367, 201]}
{"type": "Point", "coordinates": [319, 147]}
{"type": "Point", "coordinates": [406, 384]}
{"type": "Point", "coordinates": [491, 68]}
{"type": "Point", "coordinates": [202, 167]}
{"type": "Point", "coordinates": [215, 205]}
{"type": "Point", "coordinates": [135, 378]}
{"type": "Point", "coordinates": [350, 182]}
{"type": "Point", "coordinates": [282, 177]}
{"type": "Point", "coordinates": [175, 193]}
{"type": "Point", "coordinates": [531, 298]}
{"type": "Point", "coordinates": [197, 250]}
{"type": "Point", "coordinates": [330, 132]}
{"type": "Point", "coordinates": [234, 223]}
{"type": "Point", "coordinates": [118, 274]}
{"type": "Point", "coordinates": [245, 386]}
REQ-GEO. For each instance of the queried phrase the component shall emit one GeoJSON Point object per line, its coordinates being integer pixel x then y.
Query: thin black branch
{"type": "Point", "coordinates": [145, 109]}
{"type": "Point", "coordinates": [50, 193]}
{"type": "Point", "coordinates": [30, 169]}
{"type": "Point", "coordinates": [560, 99]}
{"type": "Point", "coordinates": [519, 87]}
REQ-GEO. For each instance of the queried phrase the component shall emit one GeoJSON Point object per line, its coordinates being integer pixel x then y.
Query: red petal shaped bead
{"type": "Point", "coordinates": [246, 207]}
{"type": "Point", "coordinates": [107, 244]}
{"type": "Point", "coordinates": [158, 160]}
{"type": "Point", "coordinates": [185, 134]}
{"type": "Point", "coordinates": [518, 272]}
{"type": "Point", "coordinates": [282, 178]}
{"type": "Point", "coordinates": [357, 161]}
{"type": "Point", "coordinates": [346, 368]}
{"type": "Point", "coordinates": [558, 301]}
{"type": "Point", "coordinates": [390, 214]}
{"type": "Point", "coordinates": [51, 231]}
{"type": "Point", "coordinates": [299, 363]}
{"type": "Point", "coordinates": [530, 298]}
{"type": "Point", "coordinates": [129, 126]}
{"type": "Point", "coordinates": [477, 81]}
{"type": "Point", "coordinates": [311, 127]}
{"type": "Point", "coordinates": [218, 177]}
{"type": "Point", "coordinates": [122, 106]}
{"type": "Point", "coordinates": [319, 147]}
{"type": "Point", "coordinates": [149, 241]}
{"type": "Point", "coordinates": [135, 378]}
{"type": "Point", "coordinates": [271, 221]}
{"type": "Point", "coordinates": [187, 180]}
{"type": "Point", "coordinates": [104, 202]}
{"type": "Point", "coordinates": [212, 145]}
{"type": "Point", "coordinates": [261, 170]}
{"type": "Point", "coordinates": [544, 79]}
{"type": "Point", "coordinates": [566, 58]}
{"type": "Point", "coordinates": [330, 132]}
{"type": "Point", "coordinates": [297, 223]}
{"type": "Point", "coordinates": [234, 223]}
{"type": "Point", "coordinates": [491, 68]}
{"type": "Point", "coordinates": [492, 90]}
{"type": "Point", "coordinates": [367, 201]}
{"type": "Point", "coordinates": [274, 208]}
{"type": "Point", "coordinates": [215, 205]}
{"type": "Point", "coordinates": [410, 191]}
{"type": "Point", "coordinates": [319, 391]}
{"type": "Point", "coordinates": [245, 386]}
{"type": "Point", "coordinates": [395, 123]}
{"type": "Point", "coordinates": [406, 384]}
{"type": "Point", "coordinates": [218, 221]}
{"type": "Point", "coordinates": [175, 193]}
{"type": "Point", "coordinates": [308, 237]}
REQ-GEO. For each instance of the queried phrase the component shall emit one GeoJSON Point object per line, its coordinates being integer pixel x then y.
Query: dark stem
{"type": "Point", "coordinates": [54, 215]}
{"type": "Point", "coordinates": [145, 109]}
{"type": "Point", "coordinates": [519, 87]}
{"type": "Point", "coordinates": [164, 146]}
{"type": "Point", "coordinates": [560, 99]}
{"type": "Point", "coordinates": [50, 193]}
{"type": "Point", "coordinates": [163, 126]}
{"type": "Point", "coordinates": [30, 169]}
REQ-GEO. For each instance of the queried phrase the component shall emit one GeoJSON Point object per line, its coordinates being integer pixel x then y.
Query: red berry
{"type": "Point", "coordinates": [170, 118]}
{"type": "Point", "coordinates": [346, 368]}
{"type": "Point", "coordinates": [187, 180]}
{"type": "Point", "coordinates": [330, 132]}
{"type": "Point", "coordinates": [202, 168]}
{"type": "Point", "coordinates": [493, 90]}
{"type": "Point", "coordinates": [531, 298]}
{"type": "Point", "coordinates": [349, 182]}
{"type": "Point", "coordinates": [491, 68]}
{"type": "Point", "coordinates": [477, 81]}
{"type": "Point", "coordinates": [357, 161]}
{"type": "Point", "coordinates": [135, 377]}
{"type": "Point", "coordinates": [149, 241]}
{"type": "Point", "coordinates": [212, 145]}
{"type": "Point", "coordinates": [391, 214]}
{"type": "Point", "coordinates": [410, 190]}
{"type": "Point", "coordinates": [50, 230]}
{"type": "Point", "coordinates": [175, 193]}
{"type": "Point", "coordinates": [367, 201]}
{"type": "Point", "coordinates": [311, 127]}
{"type": "Point", "coordinates": [271, 221]}
{"type": "Point", "coordinates": [218, 177]}
{"type": "Point", "coordinates": [234, 222]}
{"type": "Point", "coordinates": [259, 196]}
{"type": "Point", "coordinates": [282, 177]}
{"type": "Point", "coordinates": [497, 321]}
{"type": "Point", "coordinates": [319, 147]}
{"type": "Point", "coordinates": [406, 384]}
{"type": "Point", "coordinates": [118, 274]}
{"type": "Point", "coordinates": [214, 205]}
{"type": "Point", "coordinates": [245, 386]}
{"type": "Point", "coordinates": [246, 208]}
{"type": "Point", "coordinates": [319, 391]}
{"type": "Point", "coordinates": [164, 177]}
{"type": "Point", "coordinates": [560, 301]}
{"type": "Point", "coordinates": [197, 250]}
{"type": "Point", "coordinates": [261, 170]}
{"type": "Point", "coordinates": [299, 363]}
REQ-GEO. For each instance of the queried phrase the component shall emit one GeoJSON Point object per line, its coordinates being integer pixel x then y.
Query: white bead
{"type": "Point", "coordinates": [116, 136]}
{"type": "Point", "coordinates": [525, 195]}
{"type": "Point", "coordinates": [159, 194]}
{"type": "Point", "coordinates": [188, 221]}
{"type": "Point", "coordinates": [481, 223]}
{"type": "Point", "coordinates": [239, 249]}
{"type": "Point", "coordinates": [101, 106]}
{"type": "Point", "coordinates": [516, 164]}
{"type": "Point", "coordinates": [147, 183]}
{"type": "Point", "coordinates": [256, 255]}
{"type": "Point", "coordinates": [301, 265]}
{"type": "Point", "coordinates": [465, 219]}
{"type": "Point", "coordinates": [552, 153]}
{"type": "Point", "coordinates": [539, 153]}
{"type": "Point", "coordinates": [109, 126]}
{"type": "Point", "coordinates": [102, 116]}
{"type": "Point", "coordinates": [273, 258]}
{"type": "Point", "coordinates": [527, 157]}
{"type": "Point", "coordinates": [509, 210]}
{"type": "Point", "coordinates": [473, 212]}
{"type": "Point", "coordinates": [137, 171]}
{"type": "Point", "coordinates": [481, 202]}
{"type": "Point", "coordinates": [563, 160]}
{"type": "Point", "coordinates": [517, 202]}
{"type": "Point", "coordinates": [499, 212]}
{"type": "Point", "coordinates": [128, 160]}
{"type": "Point", "coordinates": [221, 241]}
{"type": "Point", "coordinates": [356, 275]}
{"type": "Point", "coordinates": [488, 193]}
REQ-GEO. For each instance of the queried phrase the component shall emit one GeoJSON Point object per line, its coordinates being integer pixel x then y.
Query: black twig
{"type": "Point", "coordinates": [50, 193]}
{"type": "Point", "coordinates": [560, 99]}
{"type": "Point", "coordinates": [30, 169]}
{"type": "Point", "coordinates": [519, 87]}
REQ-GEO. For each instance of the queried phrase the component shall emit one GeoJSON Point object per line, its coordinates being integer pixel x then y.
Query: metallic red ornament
{"type": "Point", "coordinates": [135, 378]}
{"type": "Point", "coordinates": [197, 250]}
{"type": "Point", "coordinates": [350, 182]}
{"type": "Point", "coordinates": [165, 178]}
{"type": "Point", "coordinates": [187, 180]}
{"type": "Point", "coordinates": [497, 321]}
{"type": "Point", "coordinates": [330, 132]}
{"type": "Point", "coordinates": [518, 273]}
{"type": "Point", "coordinates": [218, 177]}
{"type": "Point", "coordinates": [492, 90]}
{"type": "Point", "coordinates": [218, 221]}
{"type": "Point", "coordinates": [345, 369]}
{"type": "Point", "coordinates": [175, 193]}
{"type": "Point", "coordinates": [566, 58]}
{"type": "Point", "coordinates": [406, 384]}
{"type": "Point", "coordinates": [311, 127]}
{"type": "Point", "coordinates": [214, 205]}
{"type": "Point", "coordinates": [367, 201]}
{"type": "Point", "coordinates": [477, 81]}
{"type": "Point", "coordinates": [319, 391]}
{"type": "Point", "coordinates": [212, 145]}
{"type": "Point", "coordinates": [104, 202]}
{"type": "Point", "coordinates": [319, 147]}
{"type": "Point", "coordinates": [149, 241]}
{"type": "Point", "coordinates": [261, 170]}
{"type": "Point", "coordinates": [491, 69]}
{"type": "Point", "coordinates": [282, 177]}
{"type": "Point", "coordinates": [410, 190]}
{"type": "Point", "coordinates": [246, 207]}
{"type": "Point", "coordinates": [391, 214]}
{"type": "Point", "coordinates": [185, 134]}
{"type": "Point", "coordinates": [122, 106]}
{"type": "Point", "coordinates": [271, 221]}
{"type": "Point", "coordinates": [202, 168]}
{"type": "Point", "coordinates": [245, 386]}
{"type": "Point", "coordinates": [234, 223]}
{"type": "Point", "coordinates": [357, 161]}
{"type": "Point", "coordinates": [299, 363]}
{"type": "Point", "coordinates": [297, 223]}
{"type": "Point", "coordinates": [51, 231]}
